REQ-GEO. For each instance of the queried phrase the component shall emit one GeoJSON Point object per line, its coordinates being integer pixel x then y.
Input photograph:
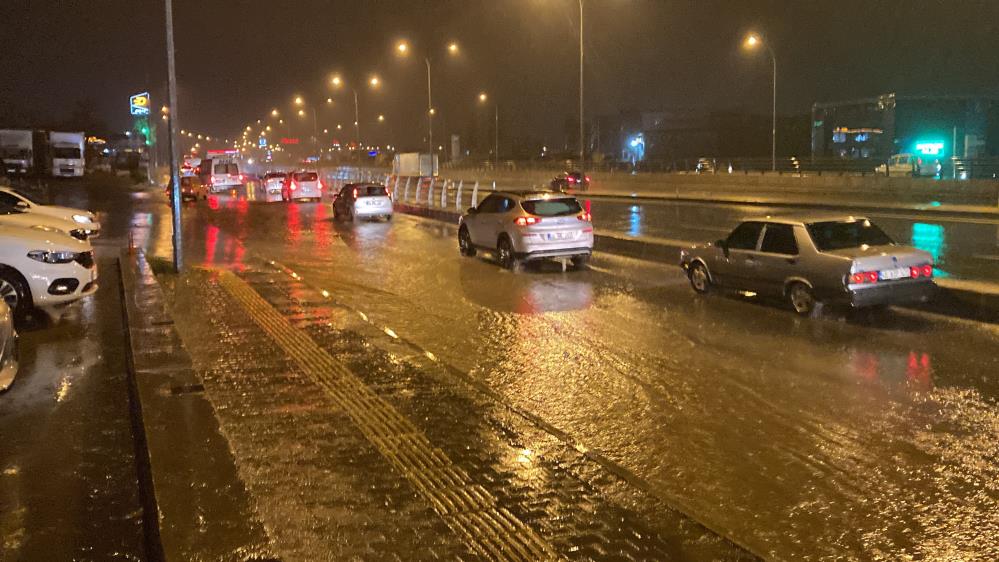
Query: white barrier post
{"type": "Point", "coordinates": [494, 186]}
{"type": "Point", "coordinates": [430, 193]}
{"type": "Point", "coordinates": [395, 190]}
{"type": "Point", "coordinates": [457, 196]}
{"type": "Point", "coordinates": [419, 186]}
{"type": "Point", "coordinates": [444, 193]}
{"type": "Point", "coordinates": [405, 195]}
{"type": "Point", "coordinates": [475, 194]}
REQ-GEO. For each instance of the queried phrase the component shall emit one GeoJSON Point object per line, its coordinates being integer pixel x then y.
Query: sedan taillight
{"type": "Point", "coordinates": [921, 271]}
{"type": "Point", "coordinates": [584, 216]}
{"type": "Point", "coordinates": [864, 277]}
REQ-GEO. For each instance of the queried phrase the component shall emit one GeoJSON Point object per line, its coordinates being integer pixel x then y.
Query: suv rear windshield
{"type": "Point", "coordinates": [306, 176]}
{"type": "Point", "coordinates": [371, 191]}
{"type": "Point", "coordinates": [835, 235]}
{"type": "Point", "coordinates": [552, 207]}
{"type": "Point", "coordinates": [273, 175]}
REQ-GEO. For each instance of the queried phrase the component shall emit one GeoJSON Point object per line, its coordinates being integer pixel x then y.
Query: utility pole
{"type": "Point", "coordinates": [178, 249]}
{"type": "Point", "coordinates": [430, 110]}
{"type": "Point", "coordinates": [582, 126]}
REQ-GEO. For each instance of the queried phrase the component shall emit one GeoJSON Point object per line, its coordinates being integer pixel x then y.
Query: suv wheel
{"type": "Point", "coordinates": [465, 242]}
{"type": "Point", "coordinates": [15, 292]}
{"type": "Point", "coordinates": [802, 299]}
{"type": "Point", "coordinates": [504, 253]}
{"type": "Point", "coordinates": [699, 279]}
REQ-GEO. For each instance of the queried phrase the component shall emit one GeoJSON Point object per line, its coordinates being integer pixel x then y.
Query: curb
{"type": "Point", "coordinates": [188, 477]}
{"type": "Point", "coordinates": [952, 299]}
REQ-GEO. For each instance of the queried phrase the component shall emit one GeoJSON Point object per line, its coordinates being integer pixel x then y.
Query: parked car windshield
{"type": "Point", "coordinates": [552, 207]}
{"type": "Point", "coordinates": [839, 235]}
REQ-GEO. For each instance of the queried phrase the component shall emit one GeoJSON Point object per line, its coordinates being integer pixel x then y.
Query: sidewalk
{"type": "Point", "coordinates": [355, 444]}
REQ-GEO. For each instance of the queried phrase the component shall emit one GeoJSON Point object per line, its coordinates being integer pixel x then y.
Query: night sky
{"type": "Point", "coordinates": [238, 59]}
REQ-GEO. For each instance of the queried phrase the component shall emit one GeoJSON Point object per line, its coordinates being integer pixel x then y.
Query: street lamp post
{"type": "Point", "coordinates": [582, 126]}
{"type": "Point", "coordinates": [178, 261]}
{"type": "Point", "coordinates": [402, 49]}
{"type": "Point", "coordinates": [752, 41]}
{"type": "Point", "coordinates": [482, 99]}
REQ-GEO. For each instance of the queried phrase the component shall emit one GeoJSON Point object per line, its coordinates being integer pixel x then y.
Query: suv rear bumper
{"type": "Point", "coordinates": [553, 253]}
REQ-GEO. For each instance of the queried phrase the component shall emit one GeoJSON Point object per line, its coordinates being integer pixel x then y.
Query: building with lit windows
{"type": "Point", "coordinates": [933, 126]}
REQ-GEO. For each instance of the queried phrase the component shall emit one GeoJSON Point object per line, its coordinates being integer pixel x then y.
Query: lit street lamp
{"type": "Point", "coordinates": [402, 48]}
{"type": "Point", "coordinates": [337, 82]}
{"type": "Point", "coordinates": [483, 98]}
{"type": "Point", "coordinates": [753, 41]}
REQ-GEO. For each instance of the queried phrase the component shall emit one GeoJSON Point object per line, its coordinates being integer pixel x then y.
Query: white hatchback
{"type": "Point", "coordinates": [362, 201]}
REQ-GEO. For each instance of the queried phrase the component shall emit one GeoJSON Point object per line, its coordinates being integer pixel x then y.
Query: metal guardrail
{"type": "Point", "coordinates": [430, 192]}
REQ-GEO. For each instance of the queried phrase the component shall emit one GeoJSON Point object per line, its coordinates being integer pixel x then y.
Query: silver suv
{"type": "Point", "coordinates": [834, 259]}
{"type": "Point", "coordinates": [520, 226]}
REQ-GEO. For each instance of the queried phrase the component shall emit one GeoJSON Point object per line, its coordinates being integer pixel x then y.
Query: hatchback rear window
{"type": "Point", "coordinates": [835, 235]}
{"type": "Point", "coordinates": [552, 207]}
{"type": "Point", "coordinates": [306, 176]}
{"type": "Point", "coordinates": [274, 175]}
{"type": "Point", "coordinates": [371, 191]}
{"type": "Point", "coordinates": [231, 169]}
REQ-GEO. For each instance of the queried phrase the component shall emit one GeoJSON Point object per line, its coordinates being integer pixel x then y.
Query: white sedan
{"type": "Point", "coordinates": [44, 268]}
{"type": "Point", "coordinates": [84, 221]}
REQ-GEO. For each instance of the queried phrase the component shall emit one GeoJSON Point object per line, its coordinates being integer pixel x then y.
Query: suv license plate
{"type": "Point", "coordinates": [892, 274]}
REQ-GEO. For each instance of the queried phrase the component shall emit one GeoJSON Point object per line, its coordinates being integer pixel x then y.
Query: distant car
{"type": "Point", "coordinates": [808, 261]}
{"type": "Point", "coordinates": [519, 226]}
{"type": "Point", "coordinates": [301, 185]}
{"type": "Point", "coordinates": [571, 180]}
{"type": "Point", "coordinates": [191, 189]}
{"type": "Point", "coordinates": [83, 219]}
{"type": "Point", "coordinates": [273, 185]}
{"type": "Point", "coordinates": [9, 352]}
{"type": "Point", "coordinates": [362, 201]}
{"type": "Point", "coordinates": [909, 165]}
{"type": "Point", "coordinates": [44, 268]}
{"type": "Point", "coordinates": [220, 174]}
{"type": "Point", "coordinates": [13, 215]}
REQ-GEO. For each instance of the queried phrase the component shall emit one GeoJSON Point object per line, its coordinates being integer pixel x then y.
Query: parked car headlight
{"type": "Point", "coordinates": [81, 218]}
{"type": "Point", "coordinates": [52, 257]}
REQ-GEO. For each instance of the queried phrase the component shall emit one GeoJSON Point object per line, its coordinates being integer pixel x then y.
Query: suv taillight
{"type": "Point", "coordinates": [584, 216]}
{"type": "Point", "coordinates": [526, 221]}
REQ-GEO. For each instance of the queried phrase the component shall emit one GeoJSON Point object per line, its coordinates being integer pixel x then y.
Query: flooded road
{"type": "Point", "coordinates": [871, 436]}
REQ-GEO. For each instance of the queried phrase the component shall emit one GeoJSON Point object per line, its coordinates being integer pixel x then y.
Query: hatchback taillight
{"type": "Point", "coordinates": [526, 221]}
{"type": "Point", "coordinates": [584, 216]}
{"type": "Point", "coordinates": [355, 193]}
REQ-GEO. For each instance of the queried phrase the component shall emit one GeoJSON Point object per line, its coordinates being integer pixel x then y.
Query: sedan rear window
{"type": "Point", "coordinates": [306, 176]}
{"type": "Point", "coordinates": [552, 207]}
{"type": "Point", "coordinates": [371, 191]}
{"type": "Point", "coordinates": [839, 235]}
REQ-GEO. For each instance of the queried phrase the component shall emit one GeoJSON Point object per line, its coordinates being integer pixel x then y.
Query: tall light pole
{"type": "Point", "coordinates": [483, 98]}
{"type": "Point", "coordinates": [178, 249]}
{"type": "Point", "coordinates": [582, 127]}
{"type": "Point", "coordinates": [753, 41]}
{"type": "Point", "coordinates": [337, 82]}
{"type": "Point", "coordinates": [402, 49]}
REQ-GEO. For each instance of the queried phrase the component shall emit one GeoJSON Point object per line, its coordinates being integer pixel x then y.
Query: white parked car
{"type": "Point", "coordinates": [44, 268]}
{"type": "Point", "coordinates": [13, 216]}
{"type": "Point", "coordinates": [82, 220]}
{"type": "Point", "coordinates": [8, 347]}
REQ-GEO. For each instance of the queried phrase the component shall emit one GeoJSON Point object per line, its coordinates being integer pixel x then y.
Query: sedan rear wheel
{"type": "Point", "coordinates": [699, 279]}
{"type": "Point", "coordinates": [802, 299]}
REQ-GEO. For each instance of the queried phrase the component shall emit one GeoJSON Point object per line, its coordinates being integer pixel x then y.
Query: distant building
{"type": "Point", "coordinates": [665, 135]}
{"type": "Point", "coordinates": [934, 126]}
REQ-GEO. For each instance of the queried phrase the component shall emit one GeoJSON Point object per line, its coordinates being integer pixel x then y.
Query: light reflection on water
{"type": "Point", "coordinates": [931, 238]}
{"type": "Point", "coordinates": [635, 221]}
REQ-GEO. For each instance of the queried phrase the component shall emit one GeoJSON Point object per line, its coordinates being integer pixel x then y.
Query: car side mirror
{"type": "Point", "coordinates": [723, 245]}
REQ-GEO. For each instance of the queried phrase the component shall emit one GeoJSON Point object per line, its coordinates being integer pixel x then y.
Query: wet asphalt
{"type": "Point", "coordinates": [867, 436]}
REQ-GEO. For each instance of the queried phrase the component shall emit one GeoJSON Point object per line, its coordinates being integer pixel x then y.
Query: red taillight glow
{"type": "Point", "coordinates": [571, 179]}
{"type": "Point", "coordinates": [587, 179]}
{"type": "Point", "coordinates": [294, 185]}
{"type": "Point", "coordinates": [864, 277]}
{"type": "Point", "coordinates": [584, 216]}
{"type": "Point", "coordinates": [527, 221]}
{"type": "Point", "coordinates": [355, 193]}
{"type": "Point", "coordinates": [921, 271]}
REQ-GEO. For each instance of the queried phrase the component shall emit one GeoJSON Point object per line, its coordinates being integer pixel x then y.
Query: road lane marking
{"type": "Point", "coordinates": [467, 508]}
